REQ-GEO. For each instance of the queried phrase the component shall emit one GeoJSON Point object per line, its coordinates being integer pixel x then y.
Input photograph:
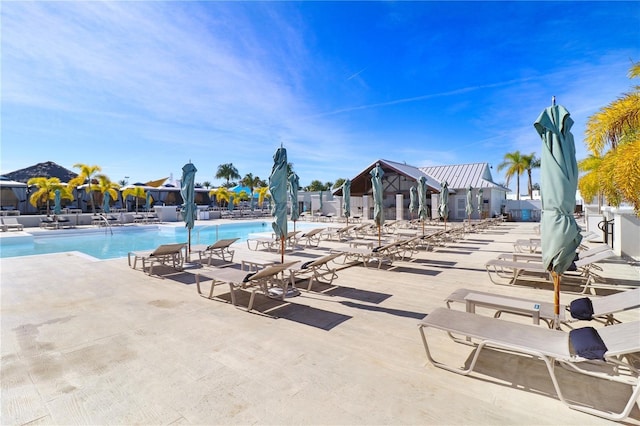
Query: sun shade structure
{"type": "Point", "coordinates": [56, 202]}
{"type": "Point", "coordinates": [278, 190]}
{"type": "Point", "coordinates": [346, 197]}
{"type": "Point", "coordinates": [413, 199]}
{"type": "Point", "coordinates": [294, 184]}
{"type": "Point", "coordinates": [560, 233]}
{"type": "Point", "coordinates": [376, 183]}
{"type": "Point", "coordinates": [187, 191]}
{"type": "Point", "coordinates": [443, 209]}
{"type": "Point", "coordinates": [106, 200]}
{"type": "Point", "coordinates": [468, 208]}
{"type": "Point", "coordinates": [422, 200]}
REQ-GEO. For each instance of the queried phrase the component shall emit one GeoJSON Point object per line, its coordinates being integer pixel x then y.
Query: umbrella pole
{"type": "Point", "coordinates": [189, 246]}
{"type": "Point", "coordinates": [281, 249]}
{"type": "Point", "coordinates": [423, 227]}
{"type": "Point", "coordinates": [379, 235]}
{"type": "Point", "coordinates": [556, 300]}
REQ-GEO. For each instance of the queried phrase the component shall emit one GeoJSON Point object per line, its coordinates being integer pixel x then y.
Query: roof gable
{"type": "Point", "coordinates": [461, 176]}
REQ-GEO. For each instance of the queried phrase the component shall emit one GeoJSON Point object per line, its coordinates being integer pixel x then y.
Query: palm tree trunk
{"type": "Point", "coordinates": [518, 187]}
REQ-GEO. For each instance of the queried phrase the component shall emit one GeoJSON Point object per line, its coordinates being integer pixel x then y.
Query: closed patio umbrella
{"type": "Point", "coordinates": [413, 195]}
{"type": "Point", "coordinates": [376, 183]}
{"type": "Point", "coordinates": [187, 191]}
{"type": "Point", "coordinates": [422, 200]}
{"type": "Point", "coordinates": [443, 208]}
{"type": "Point", "coordinates": [346, 196]}
{"type": "Point", "coordinates": [480, 201]}
{"type": "Point", "coordinates": [558, 183]}
{"type": "Point", "coordinates": [147, 204]}
{"type": "Point", "coordinates": [469, 206]}
{"type": "Point", "coordinates": [106, 200]}
{"type": "Point", "coordinates": [294, 184]}
{"type": "Point", "coordinates": [278, 190]}
{"type": "Point", "coordinates": [56, 202]}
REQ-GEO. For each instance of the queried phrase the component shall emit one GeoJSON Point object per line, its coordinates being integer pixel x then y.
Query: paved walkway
{"type": "Point", "coordinates": [95, 342]}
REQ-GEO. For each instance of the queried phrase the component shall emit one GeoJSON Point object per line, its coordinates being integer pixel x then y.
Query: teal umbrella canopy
{"type": "Point", "coordinates": [422, 198]}
{"type": "Point", "coordinates": [106, 201]}
{"type": "Point", "coordinates": [443, 208]}
{"type": "Point", "coordinates": [294, 185]}
{"type": "Point", "coordinates": [480, 201]}
{"type": "Point", "coordinates": [376, 183]}
{"type": "Point", "coordinates": [56, 202]}
{"type": "Point", "coordinates": [413, 200]}
{"type": "Point", "coordinates": [346, 196]}
{"type": "Point", "coordinates": [560, 233]}
{"type": "Point", "coordinates": [147, 204]}
{"type": "Point", "coordinates": [187, 191]}
{"type": "Point", "coordinates": [278, 190]}
{"type": "Point", "coordinates": [468, 208]}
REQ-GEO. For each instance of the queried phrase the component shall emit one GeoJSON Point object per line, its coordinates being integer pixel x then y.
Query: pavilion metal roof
{"type": "Point", "coordinates": [461, 176]}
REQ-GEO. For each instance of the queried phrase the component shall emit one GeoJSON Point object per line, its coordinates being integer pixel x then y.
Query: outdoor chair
{"type": "Point", "coordinates": [163, 254]}
{"type": "Point", "coordinates": [9, 223]}
{"type": "Point", "coordinates": [220, 248]}
{"type": "Point", "coordinates": [270, 281]}
{"type": "Point", "coordinates": [311, 238]}
{"type": "Point", "coordinates": [611, 347]}
{"type": "Point", "coordinates": [317, 270]}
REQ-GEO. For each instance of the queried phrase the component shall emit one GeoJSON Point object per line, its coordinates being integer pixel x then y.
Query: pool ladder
{"type": "Point", "coordinates": [107, 224]}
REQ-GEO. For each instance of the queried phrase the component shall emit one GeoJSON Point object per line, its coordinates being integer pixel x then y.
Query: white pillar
{"type": "Point", "coordinates": [399, 207]}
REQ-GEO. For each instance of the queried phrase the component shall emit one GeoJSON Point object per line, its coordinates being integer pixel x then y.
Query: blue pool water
{"type": "Point", "coordinates": [101, 244]}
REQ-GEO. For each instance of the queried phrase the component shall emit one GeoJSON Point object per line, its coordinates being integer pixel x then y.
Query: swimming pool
{"type": "Point", "coordinates": [102, 244]}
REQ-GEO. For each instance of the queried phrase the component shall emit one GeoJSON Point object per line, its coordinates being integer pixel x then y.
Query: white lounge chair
{"type": "Point", "coordinates": [608, 345]}
{"type": "Point", "coordinates": [272, 243]}
{"type": "Point", "coordinates": [338, 234]}
{"type": "Point", "coordinates": [264, 281]}
{"type": "Point", "coordinates": [163, 254]}
{"type": "Point", "coordinates": [318, 270]}
{"type": "Point", "coordinates": [220, 248]}
{"type": "Point", "coordinates": [9, 223]}
{"type": "Point", "coordinates": [311, 238]}
{"type": "Point", "coordinates": [507, 272]}
{"type": "Point", "coordinates": [386, 253]}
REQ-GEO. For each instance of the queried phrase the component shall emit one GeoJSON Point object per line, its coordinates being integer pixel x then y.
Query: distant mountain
{"type": "Point", "coordinates": [47, 169]}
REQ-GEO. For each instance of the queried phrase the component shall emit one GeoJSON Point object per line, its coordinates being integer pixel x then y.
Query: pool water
{"type": "Point", "coordinates": [101, 244]}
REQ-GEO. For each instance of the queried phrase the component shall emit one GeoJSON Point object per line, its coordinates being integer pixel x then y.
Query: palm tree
{"type": "Point", "coordinates": [338, 183]}
{"type": "Point", "coordinates": [263, 192]}
{"type": "Point", "coordinates": [227, 171]}
{"type": "Point", "coordinates": [206, 184]}
{"type": "Point", "coordinates": [590, 184]}
{"type": "Point", "coordinates": [532, 162]}
{"type": "Point", "coordinates": [105, 185]}
{"type": "Point", "coordinates": [616, 127]}
{"type": "Point", "coordinates": [135, 191]}
{"type": "Point", "coordinates": [515, 164]}
{"type": "Point", "coordinates": [86, 175]}
{"type": "Point", "coordinates": [221, 194]}
{"type": "Point", "coordinates": [46, 191]}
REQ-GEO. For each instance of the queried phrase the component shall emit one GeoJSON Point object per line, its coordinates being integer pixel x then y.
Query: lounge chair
{"type": "Point", "coordinates": [311, 238]}
{"type": "Point", "coordinates": [220, 248]}
{"type": "Point", "coordinates": [318, 270]}
{"type": "Point", "coordinates": [265, 280]}
{"type": "Point", "coordinates": [64, 222]}
{"type": "Point", "coordinates": [48, 223]}
{"type": "Point", "coordinates": [273, 242]}
{"type": "Point", "coordinates": [599, 308]}
{"type": "Point", "coordinates": [608, 345]}
{"type": "Point", "coordinates": [163, 254]}
{"type": "Point", "coordinates": [338, 234]}
{"type": "Point", "coordinates": [386, 253]}
{"type": "Point", "coordinates": [531, 245]}
{"type": "Point", "coordinates": [9, 223]}
{"type": "Point", "coordinates": [507, 272]}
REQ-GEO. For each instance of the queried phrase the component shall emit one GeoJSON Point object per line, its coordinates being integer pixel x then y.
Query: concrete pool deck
{"type": "Point", "coordinates": [95, 342]}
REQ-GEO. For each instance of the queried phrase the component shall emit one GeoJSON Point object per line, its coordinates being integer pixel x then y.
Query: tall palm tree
{"type": "Point", "coordinates": [86, 175]}
{"type": "Point", "coordinates": [531, 162]}
{"type": "Point", "coordinates": [227, 171]}
{"type": "Point", "coordinates": [135, 191]}
{"type": "Point", "coordinates": [46, 191]}
{"type": "Point", "coordinates": [515, 164]}
{"type": "Point", "coordinates": [613, 134]}
{"type": "Point", "coordinates": [105, 185]}
{"type": "Point", "coordinates": [251, 181]}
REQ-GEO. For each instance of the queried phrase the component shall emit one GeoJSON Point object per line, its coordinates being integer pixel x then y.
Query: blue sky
{"type": "Point", "coordinates": [141, 88]}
